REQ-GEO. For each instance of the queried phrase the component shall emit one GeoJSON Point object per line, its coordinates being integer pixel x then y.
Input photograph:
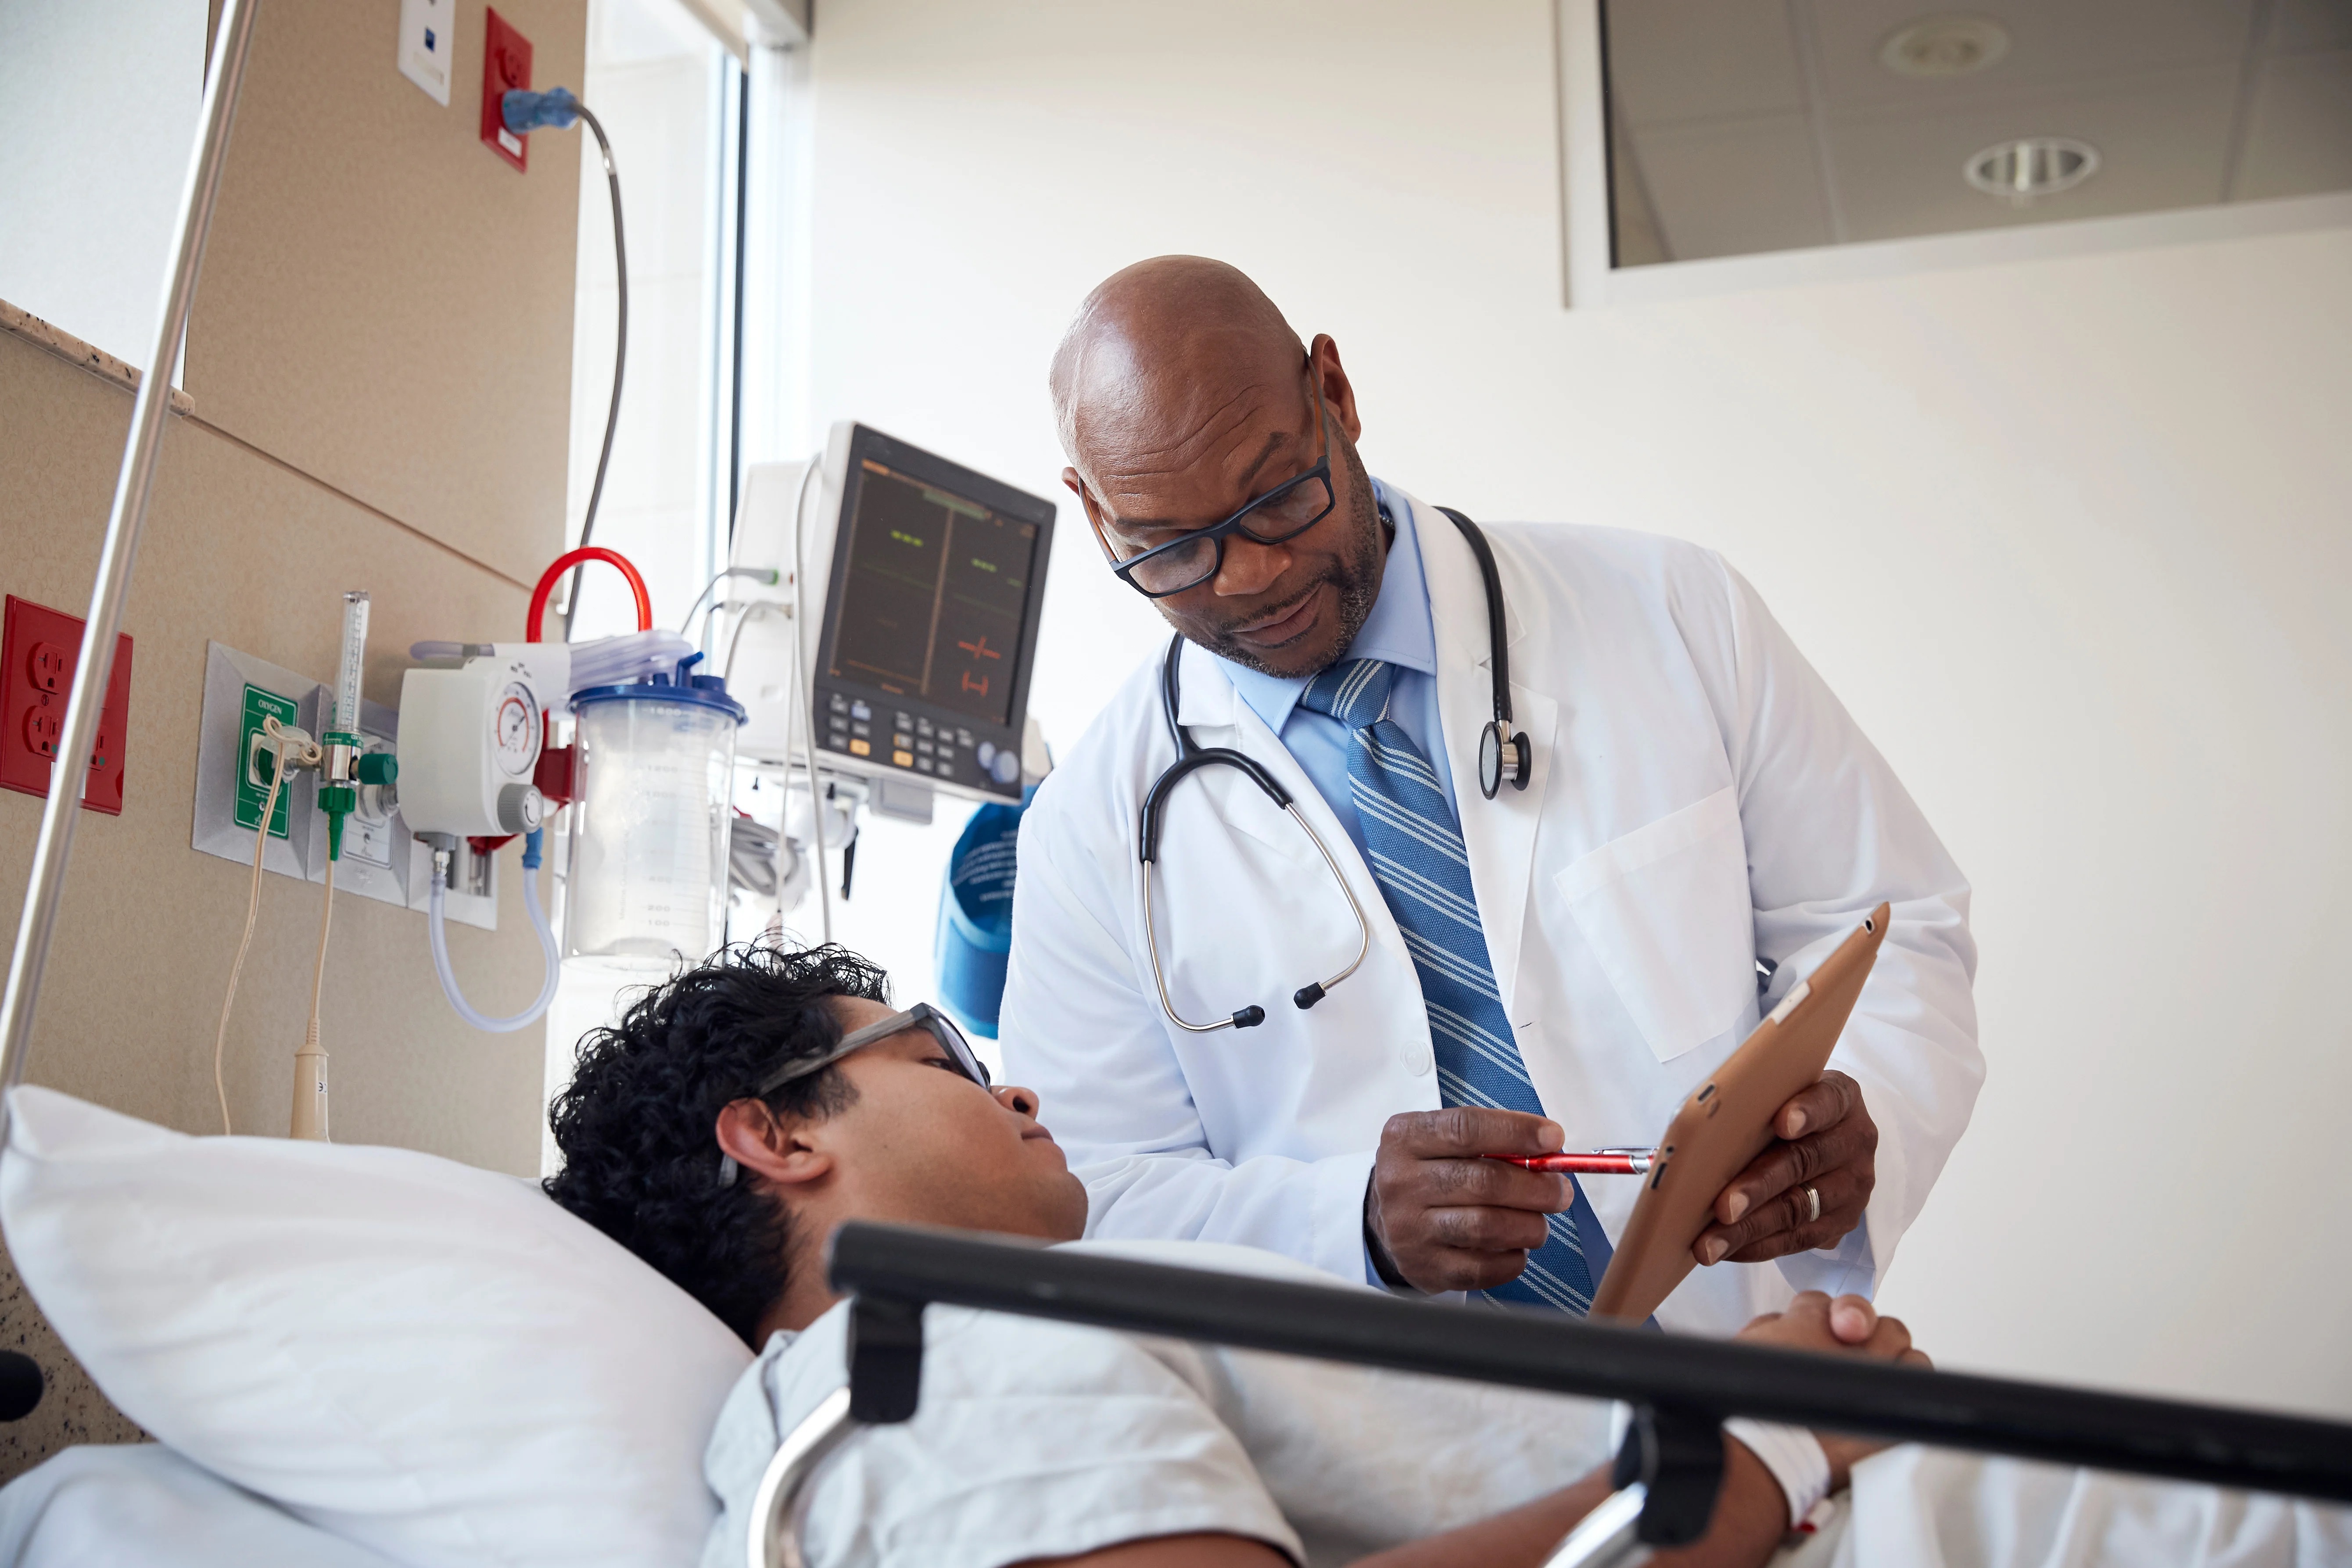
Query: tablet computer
{"type": "Point", "coordinates": [1727, 1123]}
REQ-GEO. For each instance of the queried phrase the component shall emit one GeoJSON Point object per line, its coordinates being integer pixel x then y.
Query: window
{"type": "Point", "coordinates": [671, 97]}
{"type": "Point", "coordinates": [1719, 129]}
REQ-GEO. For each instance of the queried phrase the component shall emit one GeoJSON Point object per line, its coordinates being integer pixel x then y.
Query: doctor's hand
{"type": "Point", "coordinates": [1437, 1216]}
{"type": "Point", "coordinates": [1825, 1144]}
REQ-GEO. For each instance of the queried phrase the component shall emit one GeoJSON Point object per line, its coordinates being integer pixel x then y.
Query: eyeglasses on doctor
{"type": "Point", "coordinates": [921, 1015]}
{"type": "Point", "coordinates": [1283, 513]}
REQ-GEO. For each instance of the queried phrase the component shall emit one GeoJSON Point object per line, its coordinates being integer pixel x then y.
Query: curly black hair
{"type": "Point", "coordinates": [636, 1124]}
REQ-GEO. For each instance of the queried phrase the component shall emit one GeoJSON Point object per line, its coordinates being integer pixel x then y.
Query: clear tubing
{"type": "Point", "coordinates": [434, 927]}
{"type": "Point", "coordinates": [347, 677]}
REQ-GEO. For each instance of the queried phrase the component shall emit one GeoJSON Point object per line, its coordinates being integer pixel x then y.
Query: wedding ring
{"type": "Point", "coordinates": [1813, 1196]}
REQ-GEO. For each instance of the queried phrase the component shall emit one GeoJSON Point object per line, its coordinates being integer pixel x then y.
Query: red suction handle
{"type": "Point", "coordinates": [565, 562]}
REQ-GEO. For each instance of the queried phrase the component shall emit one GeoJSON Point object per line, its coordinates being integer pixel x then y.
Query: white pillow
{"type": "Point", "coordinates": [431, 1360]}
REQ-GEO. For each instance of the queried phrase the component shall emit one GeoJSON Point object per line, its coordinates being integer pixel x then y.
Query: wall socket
{"type": "Point", "coordinates": [381, 859]}
{"type": "Point", "coordinates": [38, 650]}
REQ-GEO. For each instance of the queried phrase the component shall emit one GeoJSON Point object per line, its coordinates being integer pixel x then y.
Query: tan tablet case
{"type": "Point", "coordinates": [1728, 1124]}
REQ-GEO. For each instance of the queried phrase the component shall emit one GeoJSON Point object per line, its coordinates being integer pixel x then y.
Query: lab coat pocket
{"type": "Point", "coordinates": [1666, 911]}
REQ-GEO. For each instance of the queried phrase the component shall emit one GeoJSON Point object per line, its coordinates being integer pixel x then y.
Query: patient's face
{"type": "Point", "coordinates": [924, 1145]}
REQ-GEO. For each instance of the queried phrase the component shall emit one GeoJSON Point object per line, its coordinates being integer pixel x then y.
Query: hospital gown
{"type": "Point", "coordinates": [1040, 1440]}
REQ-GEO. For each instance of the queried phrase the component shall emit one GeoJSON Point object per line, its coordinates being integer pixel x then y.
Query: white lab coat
{"type": "Point", "coordinates": [1698, 798]}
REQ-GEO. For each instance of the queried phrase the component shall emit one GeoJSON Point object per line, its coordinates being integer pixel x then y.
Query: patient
{"type": "Point", "coordinates": [741, 1111]}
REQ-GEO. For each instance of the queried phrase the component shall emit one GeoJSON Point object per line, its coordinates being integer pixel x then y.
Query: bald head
{"type": "Point", "coordinates": [1160, 347]}
{"type": "Point", "coordinates": [1182, 396]}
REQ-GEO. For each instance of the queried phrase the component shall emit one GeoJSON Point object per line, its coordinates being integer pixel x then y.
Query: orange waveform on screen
{"type": "Point", "coordinates": [977, 688]}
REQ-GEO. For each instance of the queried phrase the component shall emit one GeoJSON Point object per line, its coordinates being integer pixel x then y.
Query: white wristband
{"type": "Point", "coordinates": [1793, 1456]}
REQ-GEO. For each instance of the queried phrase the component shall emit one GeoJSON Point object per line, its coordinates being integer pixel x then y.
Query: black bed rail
{"type": "Point", "coordinates": [895, 1270]}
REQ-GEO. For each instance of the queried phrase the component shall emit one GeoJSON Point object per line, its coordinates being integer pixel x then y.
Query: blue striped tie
{"type": "Point", "coordinates": [1423, 871]}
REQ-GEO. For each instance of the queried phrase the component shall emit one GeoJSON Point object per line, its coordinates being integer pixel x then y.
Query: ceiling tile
{"type": "Point", "coordinates": [1727, 188]}
{"type": "Point", "coordinates": [2050, 41]}
{"type": "Point", "coordinates": [2299, 142]}
{"type": "Point", "coordinates": [2312, 25]}
{"type": "Point", "coordinates": [1696, 59]}
{"type": "Point", "coordinates": [2161, 141]}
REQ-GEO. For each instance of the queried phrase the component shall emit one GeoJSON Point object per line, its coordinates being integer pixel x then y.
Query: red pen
{"type": "Point", "coordinates": [1600, 1162]}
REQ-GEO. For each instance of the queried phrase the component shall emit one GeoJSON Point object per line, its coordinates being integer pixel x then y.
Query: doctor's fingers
{"type": "Point", "coordinates": [1474, 1229]}
{"type": "Point", "coordinates": [1469, 1130]}
{"type": "Point", "coordinates": [1490, 1182]}
{"type": "Point", "coordinates": [1784, 1224]}
{"type": "Point", "coordinates": [1782, 1166]}
{"type": "Point", "coordinates": [1823, 1104]}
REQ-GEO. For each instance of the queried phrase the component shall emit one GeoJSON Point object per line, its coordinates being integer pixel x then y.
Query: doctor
{"type": "Point", "coordinates": [1558, 966]}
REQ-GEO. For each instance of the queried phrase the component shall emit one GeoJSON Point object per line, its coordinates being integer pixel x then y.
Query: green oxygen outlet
{"type": "Point", "coordinates": [378, 767]}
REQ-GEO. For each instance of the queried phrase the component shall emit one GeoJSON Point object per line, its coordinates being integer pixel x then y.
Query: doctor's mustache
{"type": "Point", "coordinates": [1354, 571]}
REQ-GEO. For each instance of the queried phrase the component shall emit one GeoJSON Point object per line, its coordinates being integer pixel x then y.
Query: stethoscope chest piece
{"type": "Point", "coordinates": [1502, 755]}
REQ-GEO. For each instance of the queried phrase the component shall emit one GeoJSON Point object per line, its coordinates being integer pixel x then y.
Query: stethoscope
{"type": "Point", "coordinates": [1503, 754]}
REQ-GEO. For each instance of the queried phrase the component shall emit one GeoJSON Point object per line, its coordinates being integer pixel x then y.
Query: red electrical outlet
{"type": "Point", "coordinates": [38, 652]}
{"type": "Point", "coordinates": [506, 66]}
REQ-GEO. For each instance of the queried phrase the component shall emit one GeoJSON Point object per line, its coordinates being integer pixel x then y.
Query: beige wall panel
{"type": "Point", "coordinates": [386, 303]}
{"type": "Point", "coordinates": [242, 550]}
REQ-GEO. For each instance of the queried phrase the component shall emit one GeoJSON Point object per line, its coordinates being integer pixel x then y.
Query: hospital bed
{"type": "Point", "coordinates": [1680, 1389]}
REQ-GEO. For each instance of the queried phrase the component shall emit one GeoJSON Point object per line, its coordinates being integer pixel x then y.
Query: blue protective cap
{"type": "Point", "coordinates": [527, 112]}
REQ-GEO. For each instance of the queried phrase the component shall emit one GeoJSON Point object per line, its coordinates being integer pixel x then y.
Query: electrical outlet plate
{"type": "Point", "coordinates": [38, 650]}
{"type": "Point", "coordinates": [506, 66]}
{"type": "Point", "coordinates": [429, 45]}
{"type": "Point", "coordinates": [381, 859]}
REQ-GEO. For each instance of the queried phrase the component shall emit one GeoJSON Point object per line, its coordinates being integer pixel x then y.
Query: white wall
{"type": "Point", "coordinates": [2071, 539]}
{"type": "Point", "coordinates": [98, 119]}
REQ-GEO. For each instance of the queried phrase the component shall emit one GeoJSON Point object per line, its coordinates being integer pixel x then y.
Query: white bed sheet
{"type": "Point", "coordinates": [143, 1503]}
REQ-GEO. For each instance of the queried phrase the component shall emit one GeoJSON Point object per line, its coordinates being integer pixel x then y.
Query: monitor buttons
{"type": "Point", "coordinates": [861, 748]}
{"type": "Point", "coordinates": [902, 760]}
{"type": "Point", "coordinates": [858, 710]}
{"type": "Point", "coordinates": [837, 703]}
{"type": "Point", "coordinates": [1006, 769]}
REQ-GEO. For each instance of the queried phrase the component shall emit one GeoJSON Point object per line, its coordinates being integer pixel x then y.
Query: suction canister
{"type": "Point", "coordinates": [652, 804]}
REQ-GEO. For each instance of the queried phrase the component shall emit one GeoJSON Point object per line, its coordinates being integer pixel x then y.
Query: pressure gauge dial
{"type": "Point", "coordinates": [517, 733]}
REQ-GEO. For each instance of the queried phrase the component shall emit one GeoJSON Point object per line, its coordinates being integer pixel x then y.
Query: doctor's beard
{"type": "Point", "coordinates": [1356, 574]}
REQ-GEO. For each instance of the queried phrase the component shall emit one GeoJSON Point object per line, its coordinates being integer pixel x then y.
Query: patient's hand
{"type": "Point", "coordinates": [1849, 1325]}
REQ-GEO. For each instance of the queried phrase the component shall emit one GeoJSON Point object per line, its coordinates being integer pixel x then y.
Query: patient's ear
{"type": "Point", "coordinates": [769, 1147]}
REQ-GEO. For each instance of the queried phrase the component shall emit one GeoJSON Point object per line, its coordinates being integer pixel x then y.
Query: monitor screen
{"type": "Point", "coordinates": [935, 593]}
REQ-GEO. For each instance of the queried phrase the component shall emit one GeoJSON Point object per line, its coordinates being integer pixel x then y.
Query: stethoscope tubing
{"type": "Point", "coordinates": [1191, 758]}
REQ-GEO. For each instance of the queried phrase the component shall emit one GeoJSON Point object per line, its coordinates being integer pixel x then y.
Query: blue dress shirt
{"type": "Point", "coordinates": [1399, 631]}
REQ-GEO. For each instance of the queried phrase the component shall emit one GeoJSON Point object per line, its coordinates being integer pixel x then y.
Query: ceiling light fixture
{"type": "Point", "coordinates": [1948, 46]}
{"type": "Point", "coordinates": [2031, 167]}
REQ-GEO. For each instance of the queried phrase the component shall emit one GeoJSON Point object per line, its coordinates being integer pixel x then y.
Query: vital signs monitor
{"type": "Point", "coordinates": [919, 602]}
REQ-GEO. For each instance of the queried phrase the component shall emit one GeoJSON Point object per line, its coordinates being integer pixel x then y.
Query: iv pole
{"type": "Point", "coordinates": [45, 885]}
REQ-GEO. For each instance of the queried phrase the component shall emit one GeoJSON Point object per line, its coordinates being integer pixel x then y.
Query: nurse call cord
{"type": "Point", "coordinates": [1503, 754]}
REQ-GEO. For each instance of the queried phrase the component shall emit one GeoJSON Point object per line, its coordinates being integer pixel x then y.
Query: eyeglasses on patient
{"type": "Point", "coordinates": [921, 1015]}
{"type": "Point", "coordinates": [1283, 513]}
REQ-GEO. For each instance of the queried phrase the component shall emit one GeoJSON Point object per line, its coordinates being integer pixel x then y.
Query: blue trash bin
{"type": "Point", "coordinates": [975, 930]}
